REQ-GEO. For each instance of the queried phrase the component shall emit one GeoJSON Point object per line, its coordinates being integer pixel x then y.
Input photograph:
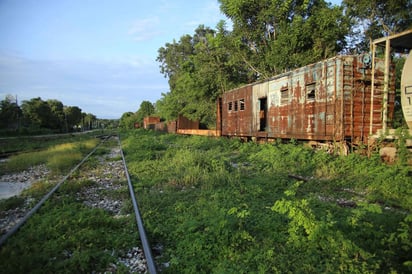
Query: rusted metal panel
{"type": "Point", "coordinates": [172, 127]}
{"type": "Point", "coordinates": [358, 108]}
{"type": "Point", "coordinates": [184, 123]}
{"type": "Point", "coordinates": [202, 132]}
{"type": "Point", "coordinates": [169, 127]}
{"type": "Point", "coordinates": [219, 115]}
{"type": "Point", "coordinates": [328, 100]}
{"type": "Point", "coordinates": [149, 121]}
{"type": "Point", "coordinates": [161, 126]}
{"type": "Point", "coordinates": [237, 112]}
{"type": "Point", "coordinates": [299, 103]}
{"type": "Point", "coordinates": [260, 107]}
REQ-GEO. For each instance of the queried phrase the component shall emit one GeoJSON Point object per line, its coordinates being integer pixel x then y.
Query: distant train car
{"type": "Point", "coordinates": [331, 100]}
{"type": "Point", "coordinates": [181, 125]}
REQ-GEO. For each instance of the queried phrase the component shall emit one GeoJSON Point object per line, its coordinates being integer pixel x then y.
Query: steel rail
{"type": "Point", "coordinates": [142, 232]}
{"type": "Point", "coordinates": [16, 227]}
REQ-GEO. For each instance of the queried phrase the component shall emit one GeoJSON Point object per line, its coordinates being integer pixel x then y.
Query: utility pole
{"type": "Point", "coordinates": [18, 114]}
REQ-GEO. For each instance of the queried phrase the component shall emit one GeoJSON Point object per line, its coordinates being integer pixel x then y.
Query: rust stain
{"type": "Point", "coordinates": [329, 100]}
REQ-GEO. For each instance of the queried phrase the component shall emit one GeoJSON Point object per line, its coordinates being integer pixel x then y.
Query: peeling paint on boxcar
{"type": "Point", "coordinates": [259, 92]}
{"type": "Point", "coordinates": [237, 112]}
{"type": "Point", "coordinates": [329, 100]}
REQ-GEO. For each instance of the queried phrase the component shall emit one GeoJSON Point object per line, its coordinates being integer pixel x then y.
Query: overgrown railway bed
{"type": "Point", "coordinates": [86, 222]}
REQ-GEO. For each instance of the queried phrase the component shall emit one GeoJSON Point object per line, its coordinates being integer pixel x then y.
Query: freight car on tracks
{"type": "Point", "coordinates": [327, 101]}
{"type": "Point", "coordinates": [343, 101]}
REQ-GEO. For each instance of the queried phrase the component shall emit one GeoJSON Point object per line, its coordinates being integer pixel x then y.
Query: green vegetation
{"type": "Point", "coordinates": [11, 203]}
{"type": "Point", "coordinates": [266, 38]}
{"type": "Point", "coordinates": [223, 206]}
{"type": "Point", "coordinates": [58, 154]}
{"type": "Point", "coordinates": [58, 158]}
{"type": "Point", "coordinates": [13, 145]}
{"type": "Point", "coordinates": [67, 236]}
{"type": "Point", "coordinates": [129, 119]}
{"type": "Point", "coordinates": [36, 117]}
{"type": "Point", "coordinates": [263, 39]}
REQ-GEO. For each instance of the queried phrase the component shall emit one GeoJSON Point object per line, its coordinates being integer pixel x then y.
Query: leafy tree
{"type": "Point", "coordinates": [146, 109]}
{"type": "Point", "coordinates": [107, 123]}
{"type": "Point", "coordinates": [199, 68]}
{"type": "Point", "coordinates": [275, 35]}
{"type": "Point", "coordinates": [88, 121]}
{"type": "Point", "coordinates": [173, 56]}
{"type": "Point", "coordinates": [37, 113]}
{"type": "Point", "coordinates": [127, 120]}
{"type": "Point", "coordinates": [73, 116]}
{"type": "Point", "coordinates": [268, 37]}
{"type": "Point", "coordinates": [10, 113]}
{"type": "Point", "coordinates": [178, 65]}
{"type": "Point", "coordinates": [372, 19]}
{"type": "Point", "coordinates": [56, 120]}
{"type": "Point", "coordinates": [167, 106]}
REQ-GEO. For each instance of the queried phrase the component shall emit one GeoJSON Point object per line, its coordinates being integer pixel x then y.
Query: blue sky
{"type": "Point", "coordinates": [99, 55]}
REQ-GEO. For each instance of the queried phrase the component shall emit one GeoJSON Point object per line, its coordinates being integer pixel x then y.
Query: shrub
{"type": "Point", "coordinates": [223, 206]}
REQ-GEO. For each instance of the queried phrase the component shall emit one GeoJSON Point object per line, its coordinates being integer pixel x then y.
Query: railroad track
{"type": "Point", "coordinates": [97, 184]}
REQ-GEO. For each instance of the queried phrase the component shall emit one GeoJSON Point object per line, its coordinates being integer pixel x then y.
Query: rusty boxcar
{"type": "Point", "coordinates": [331, 100]}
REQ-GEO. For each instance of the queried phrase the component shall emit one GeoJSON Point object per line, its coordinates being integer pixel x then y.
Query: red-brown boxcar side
{"type": "Point", "coordinates": [327, 101]}
{"type": "Point", "coordinates": [184, 123]}
{"type": "Point", "coordinates": [150, 121]}
{"type": "Point", "coordinates": [236, 112]}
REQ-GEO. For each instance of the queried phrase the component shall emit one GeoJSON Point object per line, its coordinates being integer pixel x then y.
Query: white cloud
{"type": "Point", "coordinates": [144, 29]}
{"type": "Point", "coordinates": [105, 88]}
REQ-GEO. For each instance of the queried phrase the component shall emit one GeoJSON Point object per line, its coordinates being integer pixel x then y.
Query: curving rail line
{"type": "Point", "coordinates": [142, 233]}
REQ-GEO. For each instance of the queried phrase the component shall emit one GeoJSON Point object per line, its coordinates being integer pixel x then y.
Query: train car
{"type": "Point", "coordinates": [181, 125]}
{"type": "Point", "coordinates": [332, 100]}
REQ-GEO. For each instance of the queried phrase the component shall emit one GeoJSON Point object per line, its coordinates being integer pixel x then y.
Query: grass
{"type": "Point", "coordinates": [38, 189]}
{"type": "Point", "coordinates": [28, 143]}
{"type": "Point", "coordinates": [59, 158]}
{"type": "Point", "coordinates": [11, 203]}
{"type": "Point", "coordinates": [222, 206]}
{"type": "Point", "coordinates": [66, 236]}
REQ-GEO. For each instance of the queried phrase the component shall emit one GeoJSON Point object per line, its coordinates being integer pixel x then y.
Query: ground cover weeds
{"type": "Point", "coordinates": [223, 206]}
{"type": "Point", "coordinates": [11, 203]}
{"type": "Point", "coordinates": [31, 143]}
{"type": "Point", "coordinates": [63, 238]}
{"type": "Point", "coordinates": [67, 235]}
{"type": "Point", "coordinates": [58, 158]}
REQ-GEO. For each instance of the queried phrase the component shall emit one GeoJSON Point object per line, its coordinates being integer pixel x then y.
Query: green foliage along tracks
{"type": "Point", "coordinates": [223, 206]}
{"type": "Point", "coordinates": [18, 144]}
{"type": "Point", "coordinates": [86, 226]}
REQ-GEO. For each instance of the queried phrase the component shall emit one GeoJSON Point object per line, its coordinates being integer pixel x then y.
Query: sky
{"type": "Point", "coordinates": [99, 55]}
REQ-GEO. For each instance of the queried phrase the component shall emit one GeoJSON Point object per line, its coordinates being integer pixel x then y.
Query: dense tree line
{"type": "Point", "coordinates": [130, 119]}
{"type": "Point", "coordinates": [36, 115]}
{"type": "Point", "coordinates": [267, 37]}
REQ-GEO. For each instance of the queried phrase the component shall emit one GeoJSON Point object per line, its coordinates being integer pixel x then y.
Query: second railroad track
{"type": "Point", "coordinates": [89, 221]}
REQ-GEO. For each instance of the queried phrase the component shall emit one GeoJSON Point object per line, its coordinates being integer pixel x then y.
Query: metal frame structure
{"type": "Point", "coordinates": [399, 42]}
